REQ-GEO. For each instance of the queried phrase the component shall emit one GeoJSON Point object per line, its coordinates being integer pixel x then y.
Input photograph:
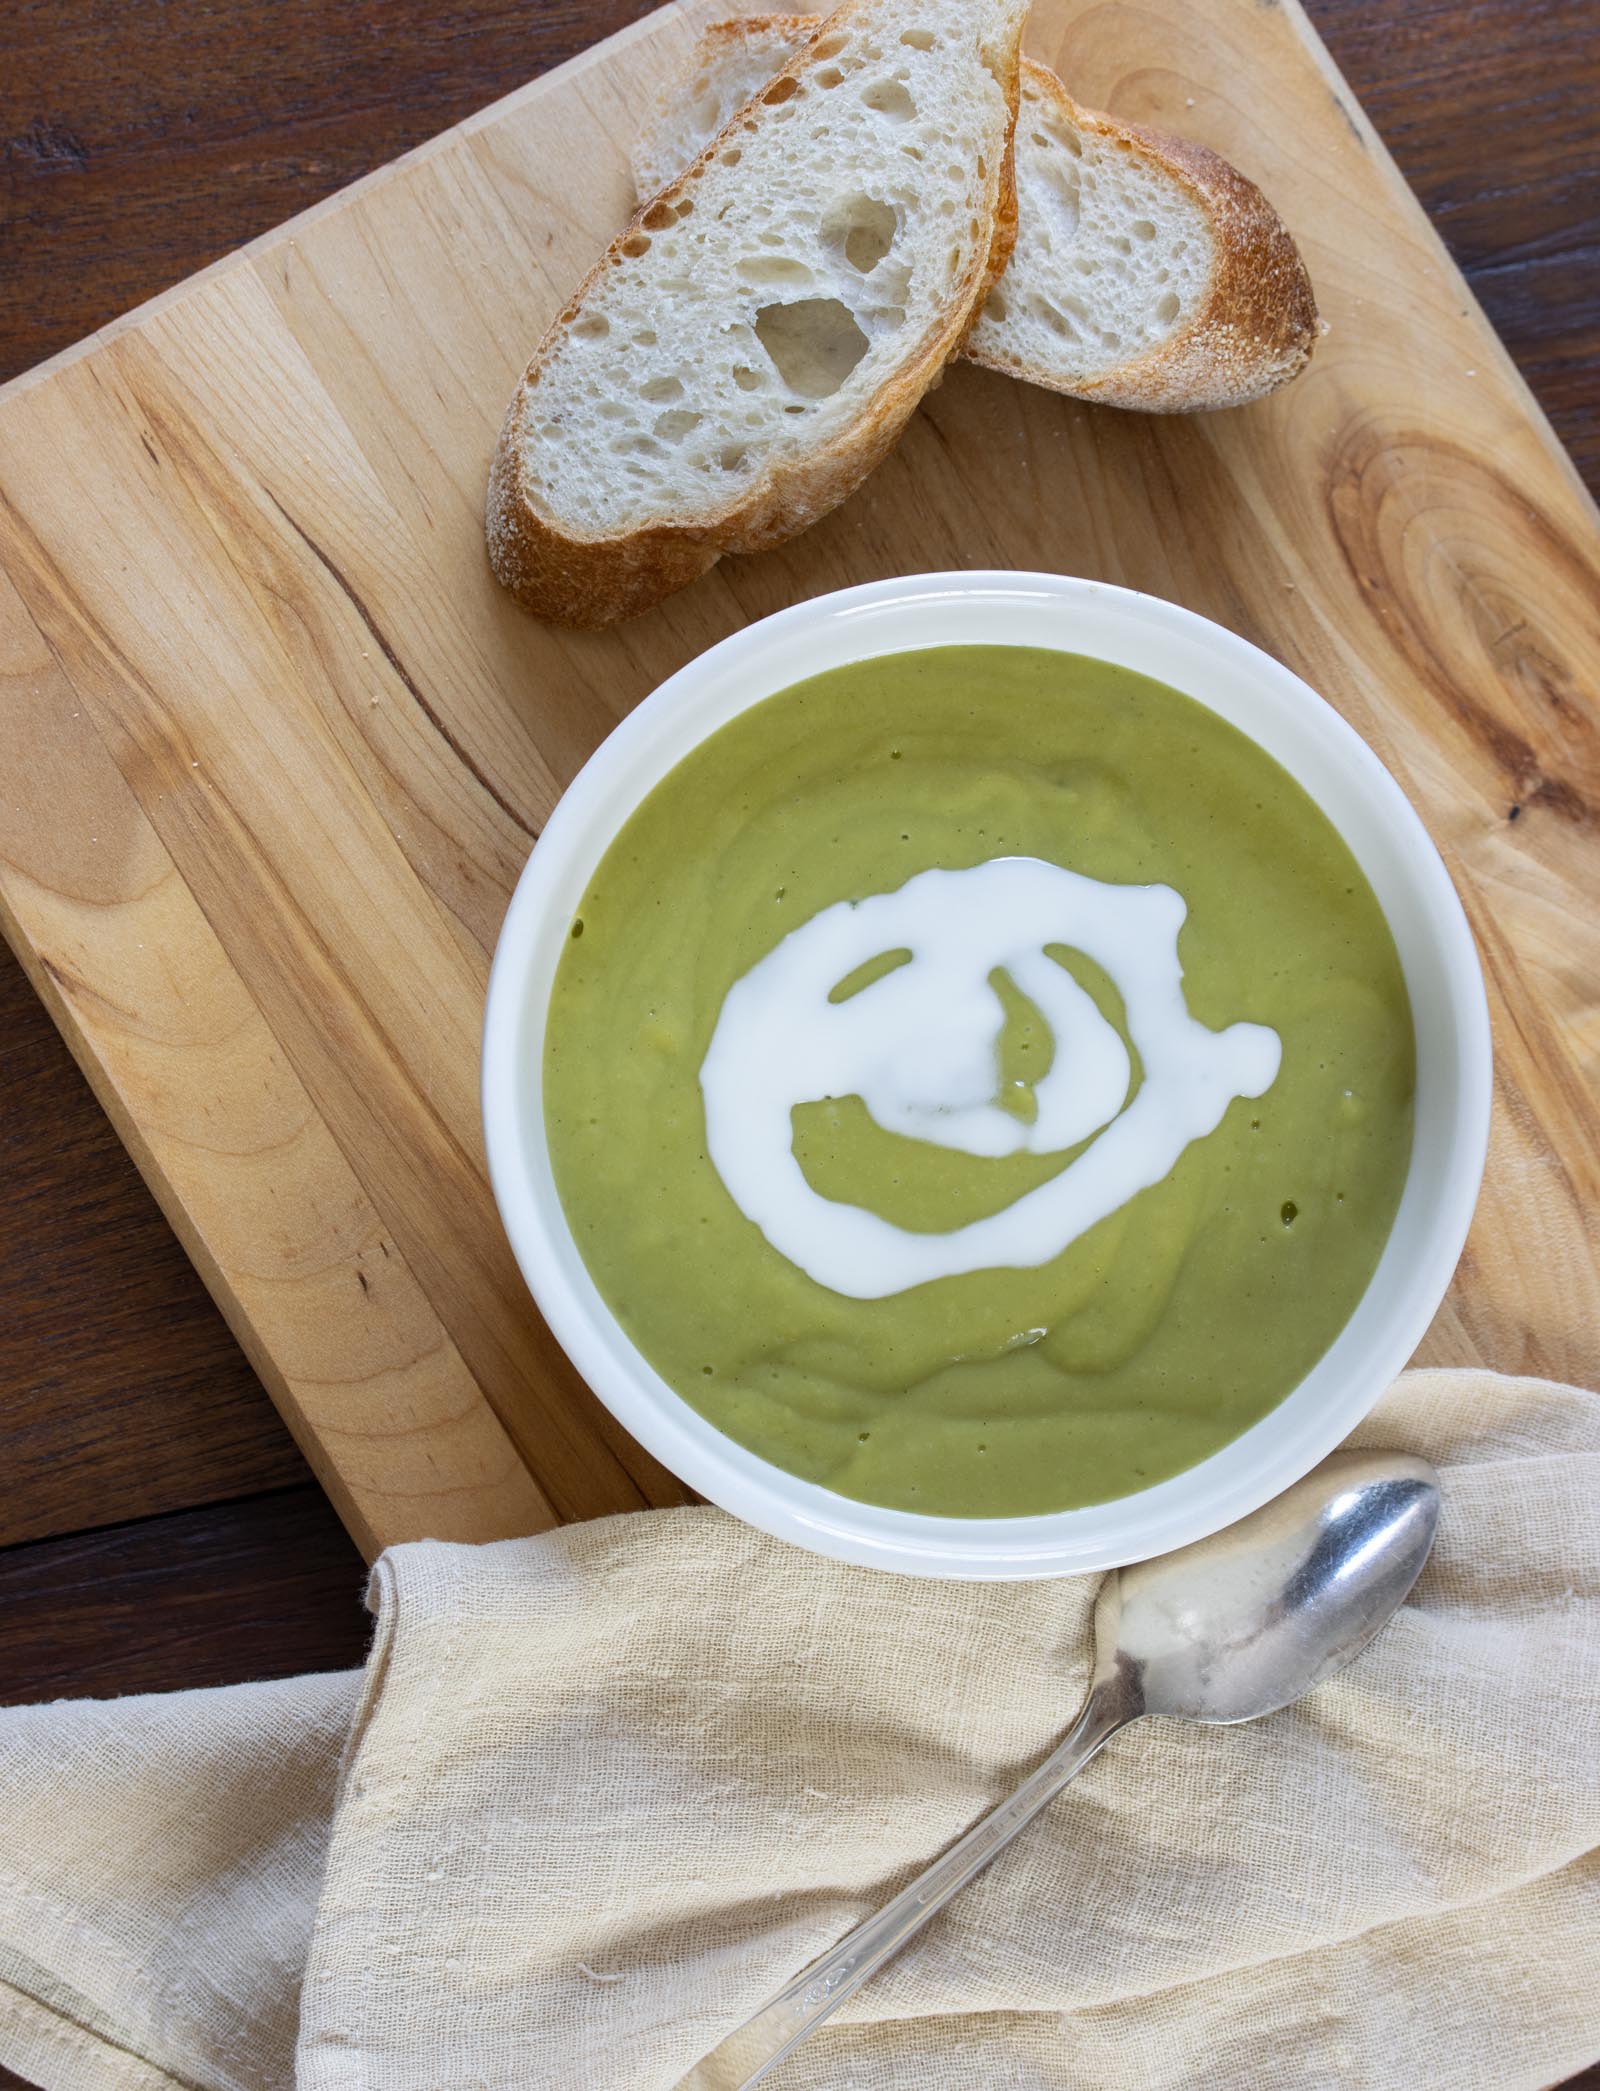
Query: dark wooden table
{"type": "Point", "coordinates": [159, 1528]}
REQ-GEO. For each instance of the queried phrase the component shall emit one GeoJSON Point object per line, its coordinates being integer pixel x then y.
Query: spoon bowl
{"type": "Point", "coordinates": [1251, 1619]}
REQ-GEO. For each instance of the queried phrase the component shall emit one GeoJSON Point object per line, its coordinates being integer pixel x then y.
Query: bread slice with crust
{"type": "Point", "coordinates": [1147, 273]}
{"type": "Point", "coordinates": [753, 343]}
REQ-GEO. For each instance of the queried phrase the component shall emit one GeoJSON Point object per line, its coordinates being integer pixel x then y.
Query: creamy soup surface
{"type": "Point", "coordinates": [979, 1080]}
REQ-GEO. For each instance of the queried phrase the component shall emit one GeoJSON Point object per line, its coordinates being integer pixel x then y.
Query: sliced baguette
{"type": "Point", "coordinates": [1147, 272]}
{"type": "Point", "coordinates": [754, 342]}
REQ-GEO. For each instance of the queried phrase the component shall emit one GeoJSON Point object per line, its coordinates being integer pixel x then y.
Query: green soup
{"type": "Point", "coordinates": [1163, 1330]}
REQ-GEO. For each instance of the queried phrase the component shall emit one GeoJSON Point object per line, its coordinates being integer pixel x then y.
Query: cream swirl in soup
{"type": "Point", "coordinates": [920, 1045]}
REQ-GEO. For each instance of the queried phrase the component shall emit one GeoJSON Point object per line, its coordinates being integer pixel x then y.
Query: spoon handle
{"type": "Point", "coordinates": [747, 2055]}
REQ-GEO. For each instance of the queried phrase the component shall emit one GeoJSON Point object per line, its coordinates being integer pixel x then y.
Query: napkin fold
{"type": "Point", "coordinates": [598, 1793]}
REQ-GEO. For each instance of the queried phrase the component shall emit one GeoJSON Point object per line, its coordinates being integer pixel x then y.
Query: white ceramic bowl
{"type": "Point", "coordinates": [1317, 748]}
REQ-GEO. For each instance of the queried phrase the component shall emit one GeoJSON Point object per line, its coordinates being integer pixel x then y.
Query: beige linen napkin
{"type": "Point", "coordinates": [603, 1790]}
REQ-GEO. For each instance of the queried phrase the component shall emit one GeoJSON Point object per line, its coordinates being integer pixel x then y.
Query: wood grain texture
{"type": "Point", "coordinates": [121, 1392]}
{"type": "Point", "coordinates": [267, 1588]}
{"type": "Point", "coordinates": [224, 1132]}
{"type": "Point", "coordinates": [1489, 111]}
{"type": "Point", "coordinates": [138, 144]}
{"type": "Point", "coordinates": [312, 742]}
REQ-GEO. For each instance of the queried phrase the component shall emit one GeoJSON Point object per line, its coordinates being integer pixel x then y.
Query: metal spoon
{"type": "Point", "coordinates": [1233, 1627]}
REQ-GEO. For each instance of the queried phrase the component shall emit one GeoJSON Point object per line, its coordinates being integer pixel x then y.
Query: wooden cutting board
{"type": "Point", "coordinates": [273, 747]}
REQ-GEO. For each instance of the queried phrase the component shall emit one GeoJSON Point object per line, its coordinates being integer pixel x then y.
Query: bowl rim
{"type": "Point", "coordinates": [647, 743]}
